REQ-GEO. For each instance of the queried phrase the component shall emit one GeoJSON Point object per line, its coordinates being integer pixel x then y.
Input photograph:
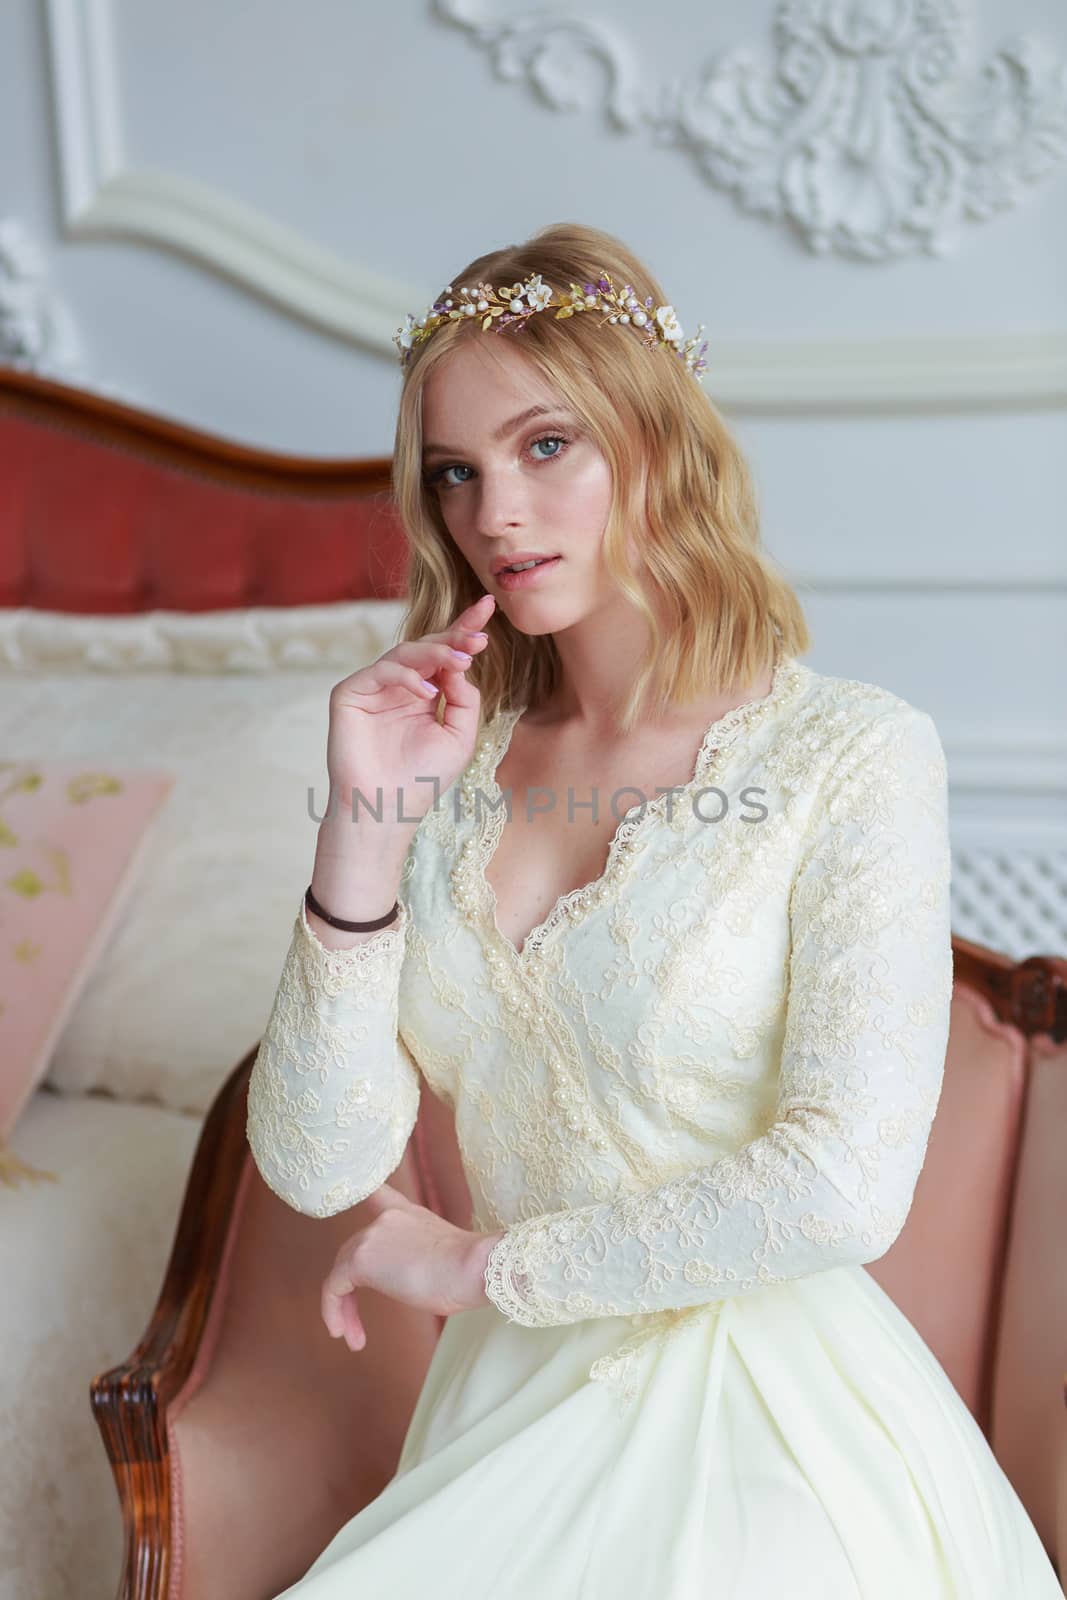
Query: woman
{"type": "Point", "coordinates": [693, 1054]}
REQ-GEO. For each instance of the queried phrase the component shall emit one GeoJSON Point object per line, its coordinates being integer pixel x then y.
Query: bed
{"type": "Point", "coordinates": [175, 604]}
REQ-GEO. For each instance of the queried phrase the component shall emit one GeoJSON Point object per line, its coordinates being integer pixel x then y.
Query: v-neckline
{"type": "Point", "coordinates": [573, 904]}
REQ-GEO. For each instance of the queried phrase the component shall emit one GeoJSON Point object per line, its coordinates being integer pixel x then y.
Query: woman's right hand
{"type": "Point", "coordinates": [384, 731]}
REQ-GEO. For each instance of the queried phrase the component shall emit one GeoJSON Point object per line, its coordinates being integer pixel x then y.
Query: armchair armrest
{"type": "Point", "coordinates": [240, 1435]}
{"type": "Point", "coordinates": [133, 1401]}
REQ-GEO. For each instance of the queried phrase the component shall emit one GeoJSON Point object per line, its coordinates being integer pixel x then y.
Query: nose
{"type": "Point", "coordinates": [500, 503]}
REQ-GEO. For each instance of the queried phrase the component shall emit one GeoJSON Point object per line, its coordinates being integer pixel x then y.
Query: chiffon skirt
{"type": "Point", "coordinates": [800, 1441]}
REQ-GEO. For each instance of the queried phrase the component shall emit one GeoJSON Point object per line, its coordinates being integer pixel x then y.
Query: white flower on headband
{"type": "Point", "coordinates": [538, 293]}
{"type": "Point", "coordinates": [672, 328]}
{"type": "Point", "coordinates": [514, 304]}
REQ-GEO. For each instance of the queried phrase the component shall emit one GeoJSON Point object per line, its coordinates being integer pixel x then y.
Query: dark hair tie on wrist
{"type": "Point", "coordinates": [348, 927]}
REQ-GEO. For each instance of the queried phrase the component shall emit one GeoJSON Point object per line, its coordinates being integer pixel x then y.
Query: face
{"type": "Point", "coordinates": [507, 484]}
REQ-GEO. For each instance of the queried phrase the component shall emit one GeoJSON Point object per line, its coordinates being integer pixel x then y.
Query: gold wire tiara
{"type": "Point", "coordinates": [514, 305]}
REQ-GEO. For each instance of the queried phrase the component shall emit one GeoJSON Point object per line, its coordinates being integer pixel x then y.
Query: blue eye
{"type": "Point", "coordinates": [439, 479]}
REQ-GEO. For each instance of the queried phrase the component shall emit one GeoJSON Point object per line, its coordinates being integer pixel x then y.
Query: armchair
{"type": "Point", "coordinates": [242, 1437]}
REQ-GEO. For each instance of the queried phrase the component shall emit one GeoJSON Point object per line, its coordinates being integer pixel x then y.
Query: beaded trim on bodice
{"type": "Point", "coordinates": [474, 894]}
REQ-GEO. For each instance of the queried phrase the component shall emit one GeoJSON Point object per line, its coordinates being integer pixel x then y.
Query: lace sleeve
{"type": "Point", "coordinates": [866, 1028]}
{"type": "Point", "coordinates": [334, 1092]}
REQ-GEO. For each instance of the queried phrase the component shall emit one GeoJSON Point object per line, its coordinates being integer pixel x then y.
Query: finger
{"type": "Point", "coordinates": [338, 1283]}
{"type": "Point", "coordinates": [470, 639]}
{"type": "Point", "coordinates": [473, 620]}
{"type": "Point", "coordinates": [435, 651]}
{"type": "Point", "coordinates": [385, 1196]}
{"type": "Point", "coordinates": [381, 674]}
{"type": "Point", "coordinates": [462, 699]}
{"type": "Point", "coordinates": [466, 633]}
{"type": "Point", "coordinates": [482, 608]}
{"type": "Point", "coordinates": [355, 1333]}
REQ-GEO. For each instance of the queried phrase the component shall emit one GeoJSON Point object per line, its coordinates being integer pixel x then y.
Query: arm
{"type": "Point", "coordinates": [831, 1181]}
{"type": "Point", "coordinates": [334, 1092]}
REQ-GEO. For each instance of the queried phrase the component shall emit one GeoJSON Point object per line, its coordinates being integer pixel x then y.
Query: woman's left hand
{"type": "Point", "coordinates": [409, 1253]}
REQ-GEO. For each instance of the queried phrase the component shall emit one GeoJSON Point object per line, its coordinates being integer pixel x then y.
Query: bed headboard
{"type": "Point", "coordinates": [108, 509]}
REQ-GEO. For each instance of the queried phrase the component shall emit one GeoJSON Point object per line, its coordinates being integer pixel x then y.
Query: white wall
{"type": "Point", "coordinates": [236, 203]}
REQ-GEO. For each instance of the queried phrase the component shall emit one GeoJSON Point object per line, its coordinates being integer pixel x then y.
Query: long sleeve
{"type": "Point", "coordinates": [334, 1092]}
{"type": "Point", "coordinates": [866, 1028]}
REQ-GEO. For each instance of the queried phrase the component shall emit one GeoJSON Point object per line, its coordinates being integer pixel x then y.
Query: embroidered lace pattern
{"type": "Point", "coordinates": [713, 1069]}
{"type": "Point", "coordinates": [333, 1092]}
{"type": "Point", "coordinates": [831, 1179]}
{"type": "Point", "coordinates": [482, 793]}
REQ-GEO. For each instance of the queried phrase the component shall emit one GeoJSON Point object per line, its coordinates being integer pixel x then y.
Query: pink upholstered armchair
{"type": "Point", "coordinates": [242, 1436]}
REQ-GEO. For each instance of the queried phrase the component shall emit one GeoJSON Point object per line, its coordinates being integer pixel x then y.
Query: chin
{"type": "Point", "coordinates": [534, 627]}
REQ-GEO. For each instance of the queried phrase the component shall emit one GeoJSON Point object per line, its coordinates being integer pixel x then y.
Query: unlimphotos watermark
{"type": "Point", "coordinates": [703, 808]}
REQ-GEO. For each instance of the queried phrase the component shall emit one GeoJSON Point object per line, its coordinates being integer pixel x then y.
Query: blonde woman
{"type": "Point", "coordinates": [687, 996]}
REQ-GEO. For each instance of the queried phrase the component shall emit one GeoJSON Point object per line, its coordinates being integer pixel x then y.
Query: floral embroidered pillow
{"type": "Point", "coordinates": [72, 838]}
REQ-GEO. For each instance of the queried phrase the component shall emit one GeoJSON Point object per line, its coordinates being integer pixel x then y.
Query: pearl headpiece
{"type": "Point", "coordinates": [500, 308]}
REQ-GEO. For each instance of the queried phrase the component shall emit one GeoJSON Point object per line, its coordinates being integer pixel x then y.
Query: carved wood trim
{"type": "Point", "coordinates": [1031, 995]}
{"type": "Point", "coordinates": [131, 1401]}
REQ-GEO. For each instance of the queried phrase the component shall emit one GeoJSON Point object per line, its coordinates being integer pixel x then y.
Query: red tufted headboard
{"type": "Point", "coordinates": [107, 509]}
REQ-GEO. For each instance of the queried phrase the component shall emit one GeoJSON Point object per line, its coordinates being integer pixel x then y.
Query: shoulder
{"type": "Point", "coordinates": [875, 771]}
{"type": "Point", "coordinates": [845, 747]}
{"type": "Point", "coordinates": [843, 719]}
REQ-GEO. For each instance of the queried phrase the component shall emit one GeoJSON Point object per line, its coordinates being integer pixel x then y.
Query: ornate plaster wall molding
{"type": "Point", "coordinates": [104, 197]}
{"type": "Point", "coordinates": [37, 332]}
{"type": "Point", "coordinates": [869, 135]}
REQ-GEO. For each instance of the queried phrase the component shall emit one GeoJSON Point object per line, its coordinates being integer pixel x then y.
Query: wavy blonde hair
{"type": "Point", "coordinates": [679, 480]}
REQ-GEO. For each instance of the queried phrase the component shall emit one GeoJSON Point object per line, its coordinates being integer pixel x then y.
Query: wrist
{"type": "Point", "coordinates": [364, 875]}
{"type": "Point", "coordinates": [478, 1262]}
{"type": "Point", "coordinates": [341, 834]}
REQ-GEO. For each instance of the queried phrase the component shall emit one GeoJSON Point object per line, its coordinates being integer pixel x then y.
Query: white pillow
{"type": "Point", "coordinates": [254, 639]}
{"type": "Point", "coordinates": [184, 984]}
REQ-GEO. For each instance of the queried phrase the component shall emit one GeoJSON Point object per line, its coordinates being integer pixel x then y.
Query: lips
{"type": "Point", "coordinates": [520, 559]}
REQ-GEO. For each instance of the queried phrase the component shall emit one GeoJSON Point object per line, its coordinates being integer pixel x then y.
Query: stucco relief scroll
{"type": "Point", "coordinates": [37, 332]}
{"type": "Point", "coordinates": [870, 132]}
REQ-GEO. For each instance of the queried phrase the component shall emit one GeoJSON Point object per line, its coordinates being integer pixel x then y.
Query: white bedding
{"type": "Point", "coordinates": [236, 706]}
{"type": "Point", "coordinates": [81, 1264]}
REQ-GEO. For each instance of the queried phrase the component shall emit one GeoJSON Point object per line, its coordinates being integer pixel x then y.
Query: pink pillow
{"type": "Point", "coordinates": [70, 838]}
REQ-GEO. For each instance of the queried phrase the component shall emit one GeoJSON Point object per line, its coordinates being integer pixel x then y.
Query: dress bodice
{"type": "Point", "coordinates": [714, 1066]}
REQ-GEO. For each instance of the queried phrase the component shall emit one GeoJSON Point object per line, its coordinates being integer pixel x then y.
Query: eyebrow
{"type": "Point", "coordinates": [499, 435]}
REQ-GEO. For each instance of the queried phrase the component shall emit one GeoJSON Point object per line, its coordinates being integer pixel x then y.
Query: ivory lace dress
{"type": "Point", "coordinates": [698, 1100]}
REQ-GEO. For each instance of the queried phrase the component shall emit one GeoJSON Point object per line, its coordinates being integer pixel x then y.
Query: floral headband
{"type": "Point", "coordinates": [656, 325]}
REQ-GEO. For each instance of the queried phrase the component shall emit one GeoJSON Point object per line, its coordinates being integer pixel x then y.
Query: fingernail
{"type": "Point", "coordinates": [462, 655]}
{"type": "Point", "coordinates": [431, 688]}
